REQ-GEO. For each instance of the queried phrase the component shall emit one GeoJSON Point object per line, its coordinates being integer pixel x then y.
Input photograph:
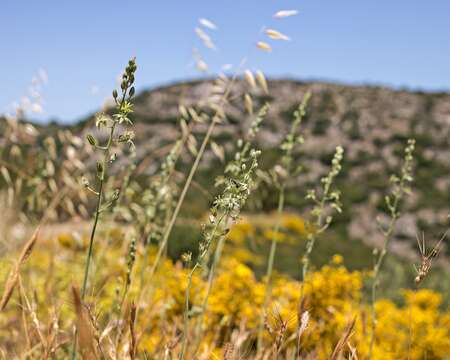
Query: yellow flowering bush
{"type": "Point", "coordinates": [418, 328]}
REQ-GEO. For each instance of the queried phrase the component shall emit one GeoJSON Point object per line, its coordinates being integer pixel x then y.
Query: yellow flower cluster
{"type": "Point", "coordinates": [418, 328]}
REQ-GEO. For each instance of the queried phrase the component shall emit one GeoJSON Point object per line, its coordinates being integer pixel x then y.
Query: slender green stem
{"type": "Point", "coordinates": [188, 289]}
{"type": "Point", "coordinates": [94, 228]}
{"type": "Point", "coordinates": [97, 212]}
{"type": "Point", "coordinates": [91, 242]}
{"type": "Point", "coordinates": [186, 310]}
{"type": "Point", "coordinates": [211, 275]}
{"type": "Point", "coordinates": [376, 272]}
{"type": "Point", "coordinates": [186, 187]}
{"type": "Point", "coordinates": [270, 262]}
{"type": "Point", "coordinates": [319, 228]}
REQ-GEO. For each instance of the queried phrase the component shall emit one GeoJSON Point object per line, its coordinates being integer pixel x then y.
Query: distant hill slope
{"type": "Point", "coordinates": [371, 123]}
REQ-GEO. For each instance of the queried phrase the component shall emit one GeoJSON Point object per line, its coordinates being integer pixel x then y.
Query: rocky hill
{"type": "Point", "coordinates": [371, 123]}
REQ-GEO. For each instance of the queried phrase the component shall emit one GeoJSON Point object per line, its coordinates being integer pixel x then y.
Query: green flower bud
{"type": "Point", "coordinates": [114, 93]}
{"type": "Point", "coordinates": [132, 91]}
{"type": "Point", "coordinates": [115, 195]}
{"type": "Point", "coordinates": [100, 169]}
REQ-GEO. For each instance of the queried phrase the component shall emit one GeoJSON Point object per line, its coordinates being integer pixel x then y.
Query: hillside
{"type": "Point", "coordinates": [371, 123]}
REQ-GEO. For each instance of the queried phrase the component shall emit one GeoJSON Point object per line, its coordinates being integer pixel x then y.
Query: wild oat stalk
{"type": "Point", "coordinates": [124, 108]}
{"type": "Point", "coordinates": [225, 85]}
{"type": "Point", "coordinates": [280, 175]}
{"type": "Point", "coordinates": [216, 119]}
{"type": "Point", "coordinates": [400, 188]}
{"type": "Point", "coordinates": [237, 185]}
{"type": "Point", "coordinates": [158, 207]}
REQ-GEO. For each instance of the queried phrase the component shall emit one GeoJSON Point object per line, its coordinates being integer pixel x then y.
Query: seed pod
{"type": "Point", "coordinates": [91, 139]}
{"type": "Point", "coordinates": [132, 91]}
{"type": "Point", "coordinates": [115, 94]}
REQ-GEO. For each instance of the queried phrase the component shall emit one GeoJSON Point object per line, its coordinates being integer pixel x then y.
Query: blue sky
{"type": "Point", "coordinates": [84, 44]}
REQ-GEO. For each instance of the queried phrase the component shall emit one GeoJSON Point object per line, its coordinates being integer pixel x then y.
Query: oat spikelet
{"type": "Point", "coordinates": [426, 258]}
{"type": "Point", "coordinates": [276, 35]}
{"type": "Point", "coordinates": [207, 23]}
{"type": "Point", "coordinates": [285, 13]}
{"type": "Point", "coordinates": [261, 79]}
{"type": "Point", "coordinates": [207, 41]}
{"type": "Point", "coordinates": [85, 330]}
{"type": "Point", "coordinates": [248, 103]}
{"type": "Point", "coordinates": [264, 46]}
{"type": "Point", "coordinates": [14, 275]}
{"type": "Point", "coordinates": [201, 66]}
{"type": "Point", "coordinates": [343, 340]}
{"type": "Point", "coordinates": [304, 320]}
{"type": "Point", "coordinates": [250, 78]}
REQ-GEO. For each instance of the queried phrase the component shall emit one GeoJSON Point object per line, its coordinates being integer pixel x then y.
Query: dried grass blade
{"type": "Point", "coordinates": [85, 329]}
{"type": "Point", "coordinates": [343, 340]}
{"type": "Point", "coordinates": [13, 277]}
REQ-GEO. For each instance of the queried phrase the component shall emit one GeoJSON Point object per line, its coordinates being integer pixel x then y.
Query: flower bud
{"type": "Point", "coordinates": [100, 168]}
{"type": "Point", "coordinates": [115, 195]}
{"type": "Point", "coordinates": [132, 91]}
{"type": "Point", "coordinates": [114, 94]}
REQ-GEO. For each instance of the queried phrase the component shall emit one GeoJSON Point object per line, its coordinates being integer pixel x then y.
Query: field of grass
{"type": "Point", "coordinates": [107, 253]}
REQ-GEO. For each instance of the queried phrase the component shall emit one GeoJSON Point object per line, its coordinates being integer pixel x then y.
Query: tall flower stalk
{"type": "Point", "coordinates": [328, 198]}
{"type": "Point", "coordinates": [124, 108]}
{"type": "Point", "coordinates": [237, 185]}
{"type": "Point", "coordinates": [325, 201]}
{"type": "Point", "coordinates": [280, 175]}
{"type": "Point", "coordinates": [400, 188]}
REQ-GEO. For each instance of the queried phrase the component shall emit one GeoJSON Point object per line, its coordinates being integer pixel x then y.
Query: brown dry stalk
{"type": "Point", "coordinates": [85, 329]}
{"type": "Point", "coordinates": [228, 351]}
{"type": "Point", "coordinates": [133, 339]}
{"type": "Point", "coordinates": [13, 277]}
{"type": "Point", "coordinates": [343, 340]}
